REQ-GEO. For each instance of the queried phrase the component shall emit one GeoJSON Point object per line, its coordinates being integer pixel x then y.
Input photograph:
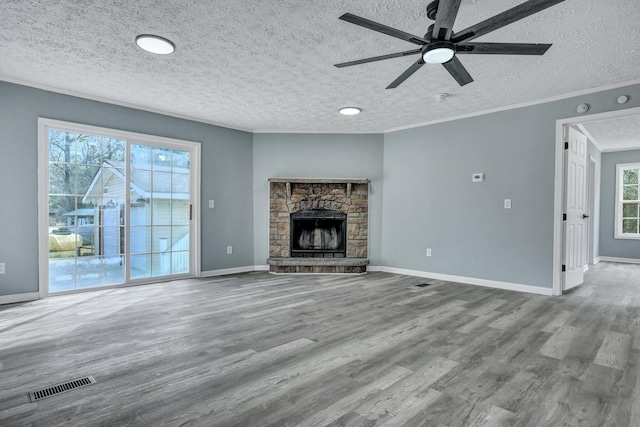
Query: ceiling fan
{"type": "Point", "coordinates": [440, 45]}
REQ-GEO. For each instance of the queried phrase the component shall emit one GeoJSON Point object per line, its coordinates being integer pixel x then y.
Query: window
{"type": "Point", "coordinates": [627, 201]}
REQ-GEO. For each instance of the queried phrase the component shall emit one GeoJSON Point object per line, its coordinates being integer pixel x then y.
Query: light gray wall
{"type": "Point", "coordinates": [430, 201]}
{"type": "Point", "coordinates": [610, 247]}
{"type": "Point", "coordinates": [593, 152]}
{"type": "Point", "coordinates": [227, 157]}
{"type": "Point", "coordinates": [316, 156]}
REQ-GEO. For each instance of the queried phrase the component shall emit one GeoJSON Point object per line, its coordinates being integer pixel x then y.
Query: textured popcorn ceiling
{"type": "Point", "coordinates": [268, 65]}
{"type": "Point", "coordinates": [615, 134]}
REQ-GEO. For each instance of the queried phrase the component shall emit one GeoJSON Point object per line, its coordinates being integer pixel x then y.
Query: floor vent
{"type": "Point", "coordinates": [423, 285]}
{"type": "Point", "coordinates": [34, 396]}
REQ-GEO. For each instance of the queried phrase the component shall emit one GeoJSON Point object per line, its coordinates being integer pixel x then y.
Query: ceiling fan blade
{"type": "Point", "coordinates": [404, 76]}
{"type": "Point", "coordinates": [503, 48]}
{"type": "Point", "coordinates": [457, 70]}
{"type": "Point", "coordinates": [445, 17]}
{"type": "Point", "coordinates": [379, 58]}
{"type": "Point", "coordinates": [383, 29]}
{"type": "Point", "coordinates": [503, 19]}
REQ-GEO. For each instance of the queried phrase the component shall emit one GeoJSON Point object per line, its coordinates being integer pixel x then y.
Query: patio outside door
{"type": "Point", "coordinates": [119, 208]}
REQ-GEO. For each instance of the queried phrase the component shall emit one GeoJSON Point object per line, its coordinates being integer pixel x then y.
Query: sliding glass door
{"type": "Point", "coordinates": [119, 207]}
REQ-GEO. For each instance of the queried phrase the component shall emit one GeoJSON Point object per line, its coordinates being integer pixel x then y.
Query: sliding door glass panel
{"type": "Point", "coordinates": [86, 210]}
{"type": "Point", "coordinates": [160, 215]}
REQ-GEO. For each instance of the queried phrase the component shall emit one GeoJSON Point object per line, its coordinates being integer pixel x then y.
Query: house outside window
{"type": "Point", "coordinates": [627, 201]}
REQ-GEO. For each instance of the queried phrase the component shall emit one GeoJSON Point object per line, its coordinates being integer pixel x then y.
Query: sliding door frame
{"type": "Point", "coordinates": [44, 124]}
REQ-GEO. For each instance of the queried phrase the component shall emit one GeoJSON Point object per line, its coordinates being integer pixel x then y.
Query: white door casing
{"type": "Point", "coordinates": [592, 211]}
{"type": "Point", "coordinates": [575, 208]}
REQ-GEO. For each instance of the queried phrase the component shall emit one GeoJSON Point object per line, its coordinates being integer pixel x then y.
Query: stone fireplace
{"type": "Point", "coordinates": [318, 225]}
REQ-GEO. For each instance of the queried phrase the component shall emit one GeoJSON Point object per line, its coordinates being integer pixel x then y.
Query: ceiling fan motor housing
{"type": "Point", "coordinates": [432, 9]}
{"type": "Point", "coordinates": [429, 34]}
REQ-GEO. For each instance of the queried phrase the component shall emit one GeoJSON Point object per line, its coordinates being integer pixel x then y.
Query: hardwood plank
{"type": "Point", "coordinates": [558, 345]}
{"type": "Point", "coordinates": [614, 351]}
{"type": "Point", "coordinates": [481, 320]}
{"type": "Point", "coordinates": [347, 403]}
{"type": "Point", "coordinates": [384, 404]}
{"type": "Point", "coordinates": [558, 321]}
{"type": "Point", "coordinates": [492, 417]}
{"type": "Point", "coordinates": [510, 319]}
{"type": "Point", "coordinates": [490, 306]}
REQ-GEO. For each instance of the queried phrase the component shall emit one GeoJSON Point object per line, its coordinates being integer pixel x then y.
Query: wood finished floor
{"type": "Point", "coordinates": [263, 350]}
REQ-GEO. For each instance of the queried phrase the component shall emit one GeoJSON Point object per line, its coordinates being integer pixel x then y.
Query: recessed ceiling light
{"type": "Point", "coordinates": [155, 44]}
{"type": "Point", "coordinates": [350, 111]}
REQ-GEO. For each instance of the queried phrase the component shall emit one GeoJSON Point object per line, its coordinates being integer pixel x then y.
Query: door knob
{"type": "Point", "coordinates": [584, 216]}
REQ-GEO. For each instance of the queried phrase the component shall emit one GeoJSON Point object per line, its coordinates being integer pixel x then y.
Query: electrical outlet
{"type": "Point", "coordinates": [507, 203]}
{"type": "Point", "coordinates": [229, 250]}
{"type": "Point", "coordinates": [429, 252]}
{"type": "Point", "coordinates": [1, 267]}
{"type": "Point", "coordinates": [211, 204]}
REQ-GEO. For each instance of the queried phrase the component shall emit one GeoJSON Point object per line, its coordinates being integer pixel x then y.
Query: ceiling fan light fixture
{"type": "Point", "coordinates": [155, 44]}
{"type": "Point", "coordinates": [349, 111]}
{"type": "Point", "coordinates": [438, 53]}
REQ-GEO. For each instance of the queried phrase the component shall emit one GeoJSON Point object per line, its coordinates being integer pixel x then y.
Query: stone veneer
{"type": "Point", "coordinates": [290, 195]}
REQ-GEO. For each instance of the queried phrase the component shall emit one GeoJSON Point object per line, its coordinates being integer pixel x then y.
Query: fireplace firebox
{"type": "Point", "coordinates": [318, 234]}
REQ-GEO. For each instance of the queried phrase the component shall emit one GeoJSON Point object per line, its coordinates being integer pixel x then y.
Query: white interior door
{"type": "Point", "coordinates": [575, 206]}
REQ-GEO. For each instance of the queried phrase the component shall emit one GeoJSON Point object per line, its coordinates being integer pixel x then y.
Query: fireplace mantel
{"type": "Point", "coordinates": [347, 181]}
{"type": "Point", "coordinates": [348, 196]}
{"type": "Point", "coordinates": [322, 180]}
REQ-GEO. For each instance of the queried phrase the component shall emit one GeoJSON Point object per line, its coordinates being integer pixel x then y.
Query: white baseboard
{"type": "Point", "coordinates": [236, 270]}
{"type": "Point", "coordinates": [615, 259]}
{"type": "Point", "coordinates": [467, 280]}
{"type": "Point", "coordinates": [376, 268]}
{"type": "Point", "coordinates": [596, 260]}
{"type": "Point", "coordinates": [11, 299]}
{"type": "Point", "coordinates": [585, 268]}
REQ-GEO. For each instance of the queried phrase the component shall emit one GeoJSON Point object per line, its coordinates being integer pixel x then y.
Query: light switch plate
{"type": "Point", "coordinates": [2, 268]}
{"type": "Point", "coordinates": [211, 204]}
{"type": "Point", "coordinates": [477, 177]}
{"type": "Point", "coordinates": [507, 203]}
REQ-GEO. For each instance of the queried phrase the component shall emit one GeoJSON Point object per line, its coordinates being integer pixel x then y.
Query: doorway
{"type": "Point", "coordinates": [115, 208]}
{"type": "Point", "coordinates": [590, 250]}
